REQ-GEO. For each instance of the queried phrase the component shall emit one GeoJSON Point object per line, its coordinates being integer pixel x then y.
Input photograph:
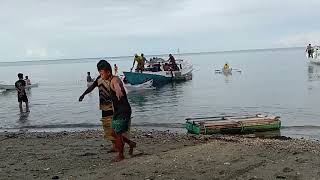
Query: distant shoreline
{"type": "Point", "coordinates": [148, 55]}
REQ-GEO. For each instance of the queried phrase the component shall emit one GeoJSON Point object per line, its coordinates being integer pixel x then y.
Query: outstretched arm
{"type": "Point", "coordinates": [89, 90]}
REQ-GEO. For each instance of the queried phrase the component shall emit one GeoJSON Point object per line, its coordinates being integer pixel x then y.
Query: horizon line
{"type": "Point", "coordinates": [163, 54]}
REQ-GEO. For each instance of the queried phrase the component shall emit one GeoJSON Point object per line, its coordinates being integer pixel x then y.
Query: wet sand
{"type": "Point", "coordinates": [159, 155]}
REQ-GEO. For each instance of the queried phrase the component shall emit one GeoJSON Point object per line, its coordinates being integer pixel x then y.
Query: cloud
{"type": "Point", "coordinates": [70, 29]}
{"type": "Point", "coordinates": [300, 39]}
{"type": "Point", "coordinates": [37, 53]}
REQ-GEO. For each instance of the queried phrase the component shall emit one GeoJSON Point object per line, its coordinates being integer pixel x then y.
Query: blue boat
{"type": "Point", "coordinates": [135, 78]}
{"type": "Point", "coordinates": [161, 77]}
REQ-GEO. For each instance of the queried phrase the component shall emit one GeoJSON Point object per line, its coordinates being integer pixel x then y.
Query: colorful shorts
{"type": "Point", "coordinates": [106, 124]}
{"type": "Point", "coordinates": [121, 125]}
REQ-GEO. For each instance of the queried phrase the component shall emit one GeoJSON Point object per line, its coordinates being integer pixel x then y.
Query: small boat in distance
{"type": "Point", "coordinates": [13, 87]}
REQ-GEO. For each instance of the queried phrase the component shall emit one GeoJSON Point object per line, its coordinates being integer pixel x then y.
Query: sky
{"type": "Point", "coordinates": [58, 29]}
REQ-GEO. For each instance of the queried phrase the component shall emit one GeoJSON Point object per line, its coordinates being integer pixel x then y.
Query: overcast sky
{"type": "Point", "coordinates": [43, 29]}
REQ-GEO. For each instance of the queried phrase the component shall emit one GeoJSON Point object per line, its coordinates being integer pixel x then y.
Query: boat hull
{"type": "Point", "coordinates": [315, 61]}
{"type": "Point", "coordinates": [144, 86]}
{"type": "Point", "coordinates": [233, 125]}
{"type": "Point", "coordinates": [136, 78]}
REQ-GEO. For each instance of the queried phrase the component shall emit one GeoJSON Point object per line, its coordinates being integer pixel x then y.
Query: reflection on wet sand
{"type": "Point", "coordinates": [313, 72]}
{"type": "Point", "coordinates": [23, 118]}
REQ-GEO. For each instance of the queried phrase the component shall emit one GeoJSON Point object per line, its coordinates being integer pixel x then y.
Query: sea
{"type": "Point", "coordinates": [275, 82]}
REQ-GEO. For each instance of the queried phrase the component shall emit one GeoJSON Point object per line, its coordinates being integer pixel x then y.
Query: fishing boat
{"type": "Point", "coordinates": [227, 71]}
{"type": "Point", "coordinates": [161, 76]}
{"type": "Point", "coordinates": [314, 61]}
{"type": "Point", "coordinates": [232, 124]}
{"type": "Point", "coordinates": [12, 87]}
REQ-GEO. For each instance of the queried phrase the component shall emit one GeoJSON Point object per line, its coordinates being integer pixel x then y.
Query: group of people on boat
{"type": "Point", "coordinates": [154, 64]}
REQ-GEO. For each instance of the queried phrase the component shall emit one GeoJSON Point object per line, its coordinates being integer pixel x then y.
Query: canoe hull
{"type": "Point", "coordinates": [144, 86]}
{"type": "Point", "coordinates": [136, 78]}
{"type": "Point", "coordinates": [233, 125]}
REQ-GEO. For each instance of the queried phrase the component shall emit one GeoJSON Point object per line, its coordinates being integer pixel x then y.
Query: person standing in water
{"type": "Point", "coordinates": [115, 69]}
{"type": "Point", "coordinates": [89, 79]}
{"type": "Point", "coordinates": [27, 80]}
{"type": "Point", "coordinates": [22, 96]}
{"type": "Point", "coordinates": [172, 62]}
{"type": "Point", "coordinates": [121, 119]}
{"type": "Point", "coordinates": [309, 50]}
{"type": "Point", "coordinates": [105, 107]}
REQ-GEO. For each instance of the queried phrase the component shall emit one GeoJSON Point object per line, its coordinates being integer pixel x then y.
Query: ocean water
{"type": "Point", "coordinates": [276, 82]}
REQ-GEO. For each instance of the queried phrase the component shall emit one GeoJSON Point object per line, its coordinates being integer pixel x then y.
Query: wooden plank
{"type": "Point", "coordinates": [214, 117]}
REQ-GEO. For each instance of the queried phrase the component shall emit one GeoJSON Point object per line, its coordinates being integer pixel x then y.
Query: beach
{"type": "Point", "coordinates": [159, 155]}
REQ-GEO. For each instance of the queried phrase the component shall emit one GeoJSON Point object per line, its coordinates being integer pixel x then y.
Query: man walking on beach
{"type": "Point", "coordinates": [22, 96]}
{"type": "Point", "coordinates": [121, 109]}
{"type": "Point", "coordinates": [105, 106]}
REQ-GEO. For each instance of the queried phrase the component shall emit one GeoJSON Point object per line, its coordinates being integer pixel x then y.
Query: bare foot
{"type": "Point", "coordinates": [118, 159]}
{"type": "Point", "coordinates": [131, 146]}
{"type": "Point", "coordinates": [112, 150]}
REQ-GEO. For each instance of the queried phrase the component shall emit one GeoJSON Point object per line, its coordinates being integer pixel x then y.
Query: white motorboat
{"type": "Point", "coordinates": [144, 86]}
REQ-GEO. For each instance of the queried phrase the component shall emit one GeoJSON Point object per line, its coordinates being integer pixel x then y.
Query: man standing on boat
{"type": "Point", "coordinates": [140, 64]}
{"type": "Point", "coordinates": [115, 68]}
{"type": "Point", "coordinates": [172, 62]}
{"type": "Point", "coordinates": [309, 49]}
{"type": "Point", "coordinates": [22, 96]}
{"type": "Point", "coordinates": [121, 119]}
{"type": "Point", "coordinates": [144, 60]}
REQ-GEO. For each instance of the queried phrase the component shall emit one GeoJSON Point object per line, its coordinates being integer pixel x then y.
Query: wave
{"type": "Point", "coordinates": [304, 127]}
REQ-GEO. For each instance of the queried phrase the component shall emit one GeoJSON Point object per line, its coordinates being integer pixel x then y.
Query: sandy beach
{"type": "Point", "coordinates": [159, 155]}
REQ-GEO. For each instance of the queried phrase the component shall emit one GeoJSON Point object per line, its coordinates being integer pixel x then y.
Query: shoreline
{"type": "Point", "coordinates": [159, 155]}
{"type": "Point", "coordinates": [286, 132]}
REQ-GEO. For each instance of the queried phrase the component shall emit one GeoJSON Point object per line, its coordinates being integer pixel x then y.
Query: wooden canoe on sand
{"type": "Point", "coordinates": [232, 124]}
